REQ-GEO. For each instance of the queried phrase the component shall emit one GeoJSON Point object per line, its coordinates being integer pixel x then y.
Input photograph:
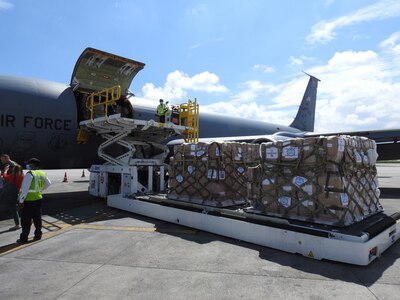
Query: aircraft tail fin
{"type": "Point", "coordinates": [305, 117]}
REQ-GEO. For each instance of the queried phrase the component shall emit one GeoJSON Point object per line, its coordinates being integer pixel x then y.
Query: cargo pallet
{"type": "Point", "coordinates": [359, 244]}
{"type": "Point", "coordinates": [137, 185]}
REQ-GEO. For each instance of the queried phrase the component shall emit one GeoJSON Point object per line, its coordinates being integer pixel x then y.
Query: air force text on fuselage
{"type": "Point", "coordinates": [30, 122]}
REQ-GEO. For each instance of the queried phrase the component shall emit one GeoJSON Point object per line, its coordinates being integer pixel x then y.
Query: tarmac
{"type": "Point", "coordinates": [91, 251]}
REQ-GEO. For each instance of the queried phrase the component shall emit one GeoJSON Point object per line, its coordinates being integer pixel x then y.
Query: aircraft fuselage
{"type": "Point", "coordinates": [41, 118]}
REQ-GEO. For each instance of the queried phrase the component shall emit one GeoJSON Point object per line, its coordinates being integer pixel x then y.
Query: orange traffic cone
{"type": "Point", "coordinates": [65, 177]}
{"type": "Point", "coordinates": [83, 173]}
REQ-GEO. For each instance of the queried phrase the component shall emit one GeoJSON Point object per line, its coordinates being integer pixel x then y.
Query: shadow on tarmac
{"type": "Point", "coordinates": [361, 275]}
{"type": "Point", "coordinates": [391, 193]}
{"type": "Point", "coordinates": [13, 246]}
{"type": "Point", "coordinates": [79, 207]}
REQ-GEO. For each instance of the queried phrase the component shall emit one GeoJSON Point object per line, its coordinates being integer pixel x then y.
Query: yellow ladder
{"type": "Point", "coordinates": [104, 98]}
{"type": "Point", "coordinates": [189, 117]}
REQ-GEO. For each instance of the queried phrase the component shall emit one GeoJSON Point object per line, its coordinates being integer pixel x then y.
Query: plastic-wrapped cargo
{"type": "Point", "coordinates": [328, 180]}
{"type": "Point", "coordinates": [212, 174]}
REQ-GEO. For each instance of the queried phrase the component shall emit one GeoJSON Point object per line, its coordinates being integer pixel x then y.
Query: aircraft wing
{"type": "Point", "coordinates": [388, 141]}
{"type": "Point", "coordinates": [246, 138]}
{"type": "Point", "coordinates": [379, 136]}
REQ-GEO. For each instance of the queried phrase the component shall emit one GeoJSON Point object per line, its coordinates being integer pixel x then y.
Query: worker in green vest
{"type": "Point", "coordinates": [30, 200]}
{"type": "Point", "coordinates": [162, 108]}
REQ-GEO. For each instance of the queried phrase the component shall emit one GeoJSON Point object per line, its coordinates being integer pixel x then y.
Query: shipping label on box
{"type": "Point", "coordinates": [285, 201]}
{"type": "Point", "coordinates": [290, 152]}
{"type": "Point", "coordinates": [357, 157]}
{"type": "Point", "coordinates": [308, 188]}
{"type": "Point", "coordinates": [215, 174]}
{"type": "Point", "coordinates": [307, 203]}
{"type": "Point", "coordinates": [272, 153]}
{"type": "Point", "coordinates": [179, 178]}
{"type": "Point", "coordinates": [240, 170]}
{"type": "Point", "coordinates": [191, 169]}
{"type": "Point", "coordinates": [238, 152]}
{"type": "Point", "coordinates": [344, 198]}
{"type": "Point", "coordinates": [299, 181]}
{"type": "Point", "coordinates": [341, 144]}
{"type": "Point", "coordinates": [268, 181]}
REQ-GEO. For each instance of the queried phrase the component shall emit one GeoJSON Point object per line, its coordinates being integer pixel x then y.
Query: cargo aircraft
{"type": "Point", "coordinates": [41, 118]}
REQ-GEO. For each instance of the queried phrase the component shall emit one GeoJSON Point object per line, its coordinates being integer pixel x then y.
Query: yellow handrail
{"type": "Point", "coordinates": [189, 117]}
{"type": "Point", "coordinates": [104, 98]}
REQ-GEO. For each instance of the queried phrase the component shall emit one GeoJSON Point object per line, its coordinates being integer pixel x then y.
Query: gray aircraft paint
{"type": "Point", "coordinates": [40, 118]}
{"type": "Point", "coordinates": [305, 117]}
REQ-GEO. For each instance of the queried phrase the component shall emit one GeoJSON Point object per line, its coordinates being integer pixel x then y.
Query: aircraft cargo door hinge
{"type": "Point", "coordinates": [82, 137]}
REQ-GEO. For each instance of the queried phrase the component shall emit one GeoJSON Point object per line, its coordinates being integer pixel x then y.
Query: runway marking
{"type": "Point", "coordinates": [140, 229]}
{"type": "Point", "coordinates": [65, 227]}
{"type": "Point", "coordinates": [14, 246]}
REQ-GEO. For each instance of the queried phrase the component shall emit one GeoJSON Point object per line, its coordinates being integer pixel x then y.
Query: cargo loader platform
{"type": "Point", "coordinates": [358, 244]}
{"type": "Point", "coordinates": [140, 129]}
{"type": "Point", "coordinates": [141, 168]}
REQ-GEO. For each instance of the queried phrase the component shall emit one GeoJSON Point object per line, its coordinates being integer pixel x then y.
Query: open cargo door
{"type": "Point", "coordinates": [97, 70]}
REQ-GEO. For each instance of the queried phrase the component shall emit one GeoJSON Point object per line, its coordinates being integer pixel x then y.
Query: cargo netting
{"type": "Point", "coordinates": [327, 180]}
{"type": "Point", "coordinates": [211, 173]}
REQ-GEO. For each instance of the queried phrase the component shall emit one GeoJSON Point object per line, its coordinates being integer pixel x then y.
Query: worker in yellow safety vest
{"type": "Point", "coordinates": [161, 110]}
{"type": "Point", "coordinates": [30, 200]}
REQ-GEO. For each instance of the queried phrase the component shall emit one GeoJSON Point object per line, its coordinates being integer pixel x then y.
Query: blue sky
{"type": "Point", "coordinates": [242, 58]}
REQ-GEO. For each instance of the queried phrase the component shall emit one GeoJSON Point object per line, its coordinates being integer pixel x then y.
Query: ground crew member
{"type": "Point", "coordinates": [161, 110]}
{"type": "Point", "coordinates": [30, 200]}
{"type": "Point", "coordinates": [9, 195]}
{"type": "Point", "coordinates": [5, 163]}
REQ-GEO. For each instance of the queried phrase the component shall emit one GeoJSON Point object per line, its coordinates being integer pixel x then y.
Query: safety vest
{"type": "Point", "coordinates": [161, 109]}
{"type": "Point", "coordinates": [37, 185]}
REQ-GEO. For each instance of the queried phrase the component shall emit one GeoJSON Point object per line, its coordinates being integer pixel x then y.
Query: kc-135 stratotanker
{"type": "Point", "coordinates": [67, 125]}
{"type": "Point", "coordinates": [41, 118]}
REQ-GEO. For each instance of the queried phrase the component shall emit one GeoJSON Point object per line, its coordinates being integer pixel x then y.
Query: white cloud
{"type": "Point", "coordinates": [5, 4]}
{"type": "Point", "coordinates": [300, 61]}
{"type": "Point", "coordinates": [264, 68]}
{"type": "Point", "coordinates": [329, 2]}
{"type": "Point", "coordinates": [252, 102]}
{"type": "Point", "coordinates": [251, 110]}
{"type": "Point", "coordinates": [392, 46]}
{"type": "Point", "coordinates": [252, 90]}
{"type": "Point", "coordinates": [206, 43]}
{"type": "Point", "coordinates": [324, 31]}
{"type": "Point", "coordinates": [178, 83]}
{"type": "Point", "coordinates": [358, 91]}
{"type": "Point", "coordinates": [196, 11]}
{"type": "Point", "coordinates": [295, 61]}
{"type": "Point", "coordinates": [391, 42]}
